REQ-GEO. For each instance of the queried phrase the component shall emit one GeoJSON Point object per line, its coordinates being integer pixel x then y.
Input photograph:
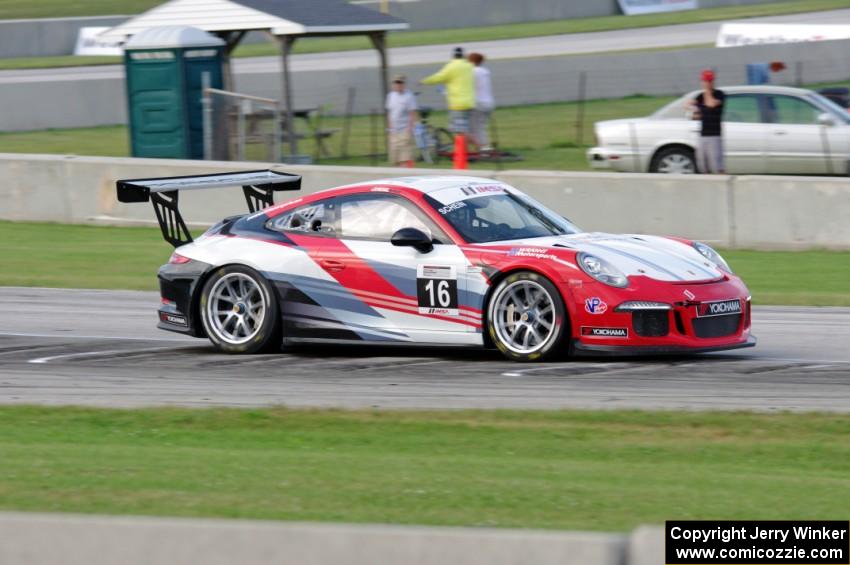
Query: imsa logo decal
{"type": "Point", "coordinates": [604, 332]}
{"type": "Point", "coordinates": [718, 308]}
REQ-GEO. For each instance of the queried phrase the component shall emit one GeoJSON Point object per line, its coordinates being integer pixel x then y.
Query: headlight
{"type": "Point", "coordinates": [711, 255]}
{"type": "Point", "coordinates": [602, 270]}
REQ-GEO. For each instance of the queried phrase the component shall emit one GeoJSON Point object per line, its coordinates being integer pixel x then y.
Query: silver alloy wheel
{"type": "Point", "coordinates": [236, 308]}
{"type": "Point", "coordinates": [676, 163]}
{"type": "Point", "coordinates": [524, 316]}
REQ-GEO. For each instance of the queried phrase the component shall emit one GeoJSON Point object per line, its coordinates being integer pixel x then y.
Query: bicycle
{"type": "Point", "coordinates": [433, 142]}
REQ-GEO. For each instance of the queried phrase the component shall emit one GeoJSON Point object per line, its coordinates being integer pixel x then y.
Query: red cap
{"type": "Point", "coordinates": [708, 75]}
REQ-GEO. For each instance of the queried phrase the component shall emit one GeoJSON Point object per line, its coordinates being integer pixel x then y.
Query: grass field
{"type": "Point", "coordinates": [10, 9]}
{"type": "Point", "coordinates": [545, 134]}
{"type": "Point", "coordinates": [574, 470]}
{"type": "Point", "coordinates": [56, 255]}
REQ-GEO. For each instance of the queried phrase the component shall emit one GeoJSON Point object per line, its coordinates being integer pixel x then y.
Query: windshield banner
{"type": "Point", "coordinates": [471, 190]}
{"type": "Point", "coordinates": [638, 7]}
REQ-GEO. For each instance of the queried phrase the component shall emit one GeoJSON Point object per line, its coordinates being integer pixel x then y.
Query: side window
{"type": "Point", "coordinates": [378, 217]}
{"type": "Point", "coordinates": [790, 110]}
{"type": "Point", "coordinates": [315, 218]}
{"type": "Point", "coordinates": [742, 108]}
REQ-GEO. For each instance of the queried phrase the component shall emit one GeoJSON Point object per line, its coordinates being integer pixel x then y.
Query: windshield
{"type": "Point", "coordinates": [501, 216]}
{"type": "Point", "coordinates": [826, 103]}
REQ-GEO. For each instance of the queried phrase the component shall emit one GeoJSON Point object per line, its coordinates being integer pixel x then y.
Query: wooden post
{"type": "Point", "coordinates": [582, 94]}
{"type": "Point", "coordinates": [346, 124]}
{"type": "Point", "coordinates": [379, 40]}
{"type": "Point", "coordinates": [286, 42]}
{"type": "Point", "coordinates": [373, 137]}
{"type": "Point", "coordinates": [231, 40]}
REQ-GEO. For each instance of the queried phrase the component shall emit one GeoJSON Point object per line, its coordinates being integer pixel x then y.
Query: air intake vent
{"type": "Point", "coordinates": [651, 323]}
{"type": "Point", "coordinates": [717, 326]}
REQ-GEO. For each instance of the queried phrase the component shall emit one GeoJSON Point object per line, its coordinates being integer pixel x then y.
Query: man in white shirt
{"type": "Point", "coordinates": [484, 104]}
{"type": "Point", "coordinates": [401, 118]}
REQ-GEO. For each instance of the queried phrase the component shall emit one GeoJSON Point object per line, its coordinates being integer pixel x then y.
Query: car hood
{"type": "Point", "coordinates": [656, 257]}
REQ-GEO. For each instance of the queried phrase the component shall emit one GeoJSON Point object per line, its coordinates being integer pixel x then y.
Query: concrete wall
{"type": "Point", "coordinates": [105, 540]}
{"type": "Point", "coordinates": [95, 96]}
{"type": "Point", "coordinates": [45, 37]}
{"type": "Point", "coordinates": [742, 212]}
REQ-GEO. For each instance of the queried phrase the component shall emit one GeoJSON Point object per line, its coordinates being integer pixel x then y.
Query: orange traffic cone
{"type": "Point", "coordinates": [460, 151]}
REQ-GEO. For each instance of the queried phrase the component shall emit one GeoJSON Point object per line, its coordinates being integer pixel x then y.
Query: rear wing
{"type": "Point", "coordinates": [258, 186]}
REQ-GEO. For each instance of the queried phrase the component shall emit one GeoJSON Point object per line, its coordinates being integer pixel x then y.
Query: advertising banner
{"type": "Point", "coordinates": [88, 43]}
{"type": "Point", "coordinates": [637, 7]}
{"type": "Point", "coordinates": [740, 34]}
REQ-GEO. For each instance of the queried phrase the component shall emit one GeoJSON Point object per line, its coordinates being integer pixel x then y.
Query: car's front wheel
{"type": "Point", "coordinates": [239, 311]}
{"type": "Point", "coordinates": [526, 318]}
{"type": "Point", "coordinates": [674, 160]}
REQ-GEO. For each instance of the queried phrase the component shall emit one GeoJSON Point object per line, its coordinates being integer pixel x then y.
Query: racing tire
{"type": "Point", "coordinates": [239, 311]}
{"type": "Point", "coordinates": [672, 160]}
{"type": "Point", "coordinates": [526, 318]}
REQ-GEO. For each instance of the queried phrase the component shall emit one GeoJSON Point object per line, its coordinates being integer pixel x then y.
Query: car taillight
{"type": "Point", "coordinates": [177, 259]}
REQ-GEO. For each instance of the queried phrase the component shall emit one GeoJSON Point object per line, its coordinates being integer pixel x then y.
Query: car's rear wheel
{"type": "Point", "coordinates": [674, 160]}
{"type": "Point", "coordinates": [239, 311]}
{"type": "Point", "coordinates": [526, 318]}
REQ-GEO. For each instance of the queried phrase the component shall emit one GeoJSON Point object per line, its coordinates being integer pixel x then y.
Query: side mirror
{"type": "Point", "coordinates": [826, 119]}
{"type": "Point", "coordinates": [412, 237]}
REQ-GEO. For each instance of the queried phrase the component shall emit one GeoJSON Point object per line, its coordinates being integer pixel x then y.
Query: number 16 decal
{"type": "Point", "coordinates": [436, 289]}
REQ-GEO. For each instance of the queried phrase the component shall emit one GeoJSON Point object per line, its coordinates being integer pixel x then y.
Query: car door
{"type": "Point", "coordinates": [417, 293]}
{"type": "Point", "coordinates": [744, 134]}
{"type": "Point", "coordinates": [797, 143]}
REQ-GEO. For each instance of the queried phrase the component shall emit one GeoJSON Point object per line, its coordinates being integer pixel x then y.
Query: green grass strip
{"type": "Point", "coordinates": [568, 469]}
{"type": "Point", "coordinates": [79, 256]}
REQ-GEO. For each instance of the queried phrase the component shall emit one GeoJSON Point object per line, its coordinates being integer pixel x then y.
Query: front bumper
{"type": "Point", "coordinates": [589, 350]}
{"type": "Point", "coordinates": [598, 327]}
{"type": "Point", "coordinates": [612, 159]}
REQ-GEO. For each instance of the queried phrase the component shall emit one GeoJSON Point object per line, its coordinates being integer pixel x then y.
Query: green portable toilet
{"type": "Point", "coordinates": [165, 68]}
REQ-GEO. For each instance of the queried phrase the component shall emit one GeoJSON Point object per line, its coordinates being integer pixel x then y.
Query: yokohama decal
{"type": "Point", "coordinates": [604, 332]}
{"type": "Point", "coordinates": [718, 308]}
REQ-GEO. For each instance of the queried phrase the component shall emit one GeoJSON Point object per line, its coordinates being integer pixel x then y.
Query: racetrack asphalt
{"type": "Point", "coordinates": [101, 348]}
{"type": "Point", "coordinates": [662, 37]}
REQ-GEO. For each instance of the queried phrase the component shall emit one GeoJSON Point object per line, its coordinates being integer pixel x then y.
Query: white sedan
{"type": "Point", "coordinates": [766, 129]}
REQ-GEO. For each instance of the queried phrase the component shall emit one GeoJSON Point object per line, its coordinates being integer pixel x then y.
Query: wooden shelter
{"type": "Point", "coordinates": [285, 20]}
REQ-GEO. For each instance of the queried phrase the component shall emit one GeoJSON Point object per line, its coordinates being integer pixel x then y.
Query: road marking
{"type": "Point", "coordinates": [794, 360]}
{"type": "Point", "coordinates": [44, 360]}
{"type": "Point", "coordinates": [77, 336]}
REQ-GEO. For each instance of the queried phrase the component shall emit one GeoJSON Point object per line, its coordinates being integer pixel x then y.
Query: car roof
{"type": "Point", "coordinates": [762, 89]}
{"type": "Point", "coordinates": [422, 184]}
{"type": "Point", "coordinates": [425, 184]}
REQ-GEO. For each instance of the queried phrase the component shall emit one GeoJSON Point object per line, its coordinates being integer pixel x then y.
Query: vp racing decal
{"type": "Point", "coordinates": [436, 289]}
{"type": "Point", "coordinates": [595, 305]}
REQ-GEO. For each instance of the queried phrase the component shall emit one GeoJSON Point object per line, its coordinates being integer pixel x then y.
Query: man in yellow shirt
{"type": "Point", "coordinates": [459, 77]}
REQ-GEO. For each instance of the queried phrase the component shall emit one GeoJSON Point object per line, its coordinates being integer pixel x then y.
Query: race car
{"type": "Point", "coordinates": [433, 260]}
